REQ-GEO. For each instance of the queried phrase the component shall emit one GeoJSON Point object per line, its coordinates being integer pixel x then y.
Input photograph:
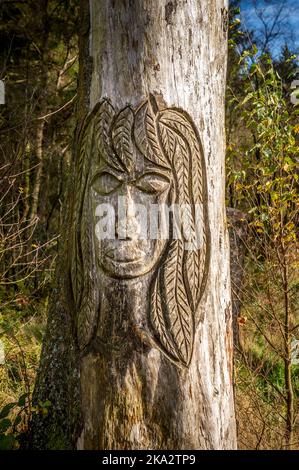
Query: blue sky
{"type": "Point", "coordinates": [288, 30]}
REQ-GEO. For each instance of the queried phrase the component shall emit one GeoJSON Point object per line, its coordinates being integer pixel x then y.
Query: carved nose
{"type": "Point", "coordinates": [121, 230]}
{"type": "Point", "coordinates": [126, 226]}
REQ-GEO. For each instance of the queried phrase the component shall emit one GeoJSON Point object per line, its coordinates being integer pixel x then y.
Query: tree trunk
{"type": "Point", "coordinates": [40, 126]}
{"type": "Point", "coordinates": [138, 351]}
{"type": "Point", "coordinates": [39, 170]}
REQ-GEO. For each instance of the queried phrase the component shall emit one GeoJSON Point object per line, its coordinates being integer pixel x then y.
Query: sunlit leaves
{"type": "Point", "coordinates": [266, 184]}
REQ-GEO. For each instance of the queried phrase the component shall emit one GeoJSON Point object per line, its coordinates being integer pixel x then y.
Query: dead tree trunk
{"type": "Point", "coordinates": [138, 349]}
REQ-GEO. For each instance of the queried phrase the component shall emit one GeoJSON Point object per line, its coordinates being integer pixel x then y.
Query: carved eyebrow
{"type": "Point", "coordinates": [159, 174]}
{"type": "Point", "coordinates": [153, 170]}
{"type": "Point", "coordinates": [107, 169]}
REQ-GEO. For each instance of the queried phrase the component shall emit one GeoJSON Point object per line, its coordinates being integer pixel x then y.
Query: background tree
{"type": "Point", "coordinates": [38, 60]}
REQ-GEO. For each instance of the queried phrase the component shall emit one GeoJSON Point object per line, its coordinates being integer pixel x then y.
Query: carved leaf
{"type": "Point", "coordinates": [84, 143]}
{"type": "Point", "coordinates": [158, 321]}
{"type": "Point", "coordinates": [168, 141]}
{"type": "Point", "coordinates": [179, 313]}
{"type": "Point", "coordinates": [146, 136]}
{"type": "Point", "coordinates": [88, 308]}
{"type": "Point", "coordinates": [177, 121]}
{"type": "Point", "coordinates": [83, 279]}
{"type": "Point", "coordinates": [103, 118]}
{"type": "Point", "coordinates": [185, 270]}
{"type": "Point", "coordinates": [122, 136]}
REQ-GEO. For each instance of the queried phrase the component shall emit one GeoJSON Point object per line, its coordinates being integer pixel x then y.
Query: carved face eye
{"type": "Point", "coordinates": [152, 183]}
{"type": "Point", "coordinates": [105, 183]}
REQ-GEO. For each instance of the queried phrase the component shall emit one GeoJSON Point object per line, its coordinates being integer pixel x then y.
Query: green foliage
{"type": "Point", "coordinates": [39, 64]}
{"type": "Point", "coordinates": [14, 418]}
{"type": "Point", "coordinates": [262, 181]}
{"type": "Point", "coordinates": [267, 186]}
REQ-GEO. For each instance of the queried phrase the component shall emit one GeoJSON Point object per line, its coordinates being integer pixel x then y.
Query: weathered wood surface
{"type": "Point", "coordinates": [126, 392]}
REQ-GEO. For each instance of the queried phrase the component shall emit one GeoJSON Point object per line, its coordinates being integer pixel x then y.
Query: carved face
{"type": "Point", "coordinates": [133, 159]}
{"type": "Point", "coordinates": [123, 204]}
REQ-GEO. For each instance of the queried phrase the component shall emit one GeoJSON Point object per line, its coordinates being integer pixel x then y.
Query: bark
{"type": "Point", "coordinates": [39, 169]}
{"type": "Point", "coordinates": [40, 127]}
{"type": "Point", "coordinates": [112, 378]}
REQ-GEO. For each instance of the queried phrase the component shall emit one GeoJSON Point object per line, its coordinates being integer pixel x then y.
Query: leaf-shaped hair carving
{"type": "Point", "coordinates": [83, 273]}
{"type": "Point", "coordinates": [122, 138]}
{"type": "Point", "coordinates": [103, 119]}
{"type": "Point", "coordinates": [179, 123]}
{"type": "Point", "coordinates": [146, 135]}
{"type": "Point", "coordinates": [180, 280]}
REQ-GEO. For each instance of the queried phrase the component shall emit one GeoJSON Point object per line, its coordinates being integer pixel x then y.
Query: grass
{"type": "Point", "coordinates": [22, 323]}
